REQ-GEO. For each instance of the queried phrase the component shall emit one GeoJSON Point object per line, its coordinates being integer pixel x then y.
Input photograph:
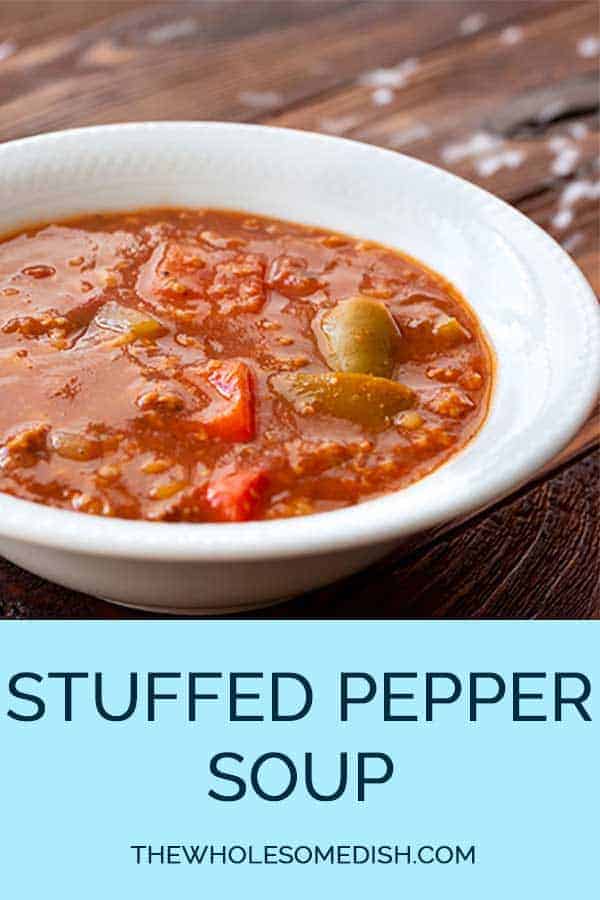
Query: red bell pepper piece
{"type": "Point", "coordinates": [234, 498]}
{"type": "Point", "coordinates": [234, 419]}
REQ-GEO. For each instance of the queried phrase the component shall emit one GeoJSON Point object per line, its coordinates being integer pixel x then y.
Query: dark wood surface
{"type": "Point", "coordinates": [503, 93]}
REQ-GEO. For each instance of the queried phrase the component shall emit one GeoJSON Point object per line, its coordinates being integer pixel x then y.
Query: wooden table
{"type": "Point", "coordinates": [503, 93]}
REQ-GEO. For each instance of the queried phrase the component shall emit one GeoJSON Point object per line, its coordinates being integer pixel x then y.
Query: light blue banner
{"type": "Point", "coordinates": [76, 796]}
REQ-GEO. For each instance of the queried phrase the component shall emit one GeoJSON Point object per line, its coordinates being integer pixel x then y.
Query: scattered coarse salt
{"type": "Point", "coordinates": [260, 99]}
{"type": "Point", "coordinates": [382, 96]}
{"type": "Point", "coordinates": [488, 152]}
{"type": "Point", "coordinates": [580, 190]}
{"type": "Point", "coordinates": [571, 195]}
{"type": "Point", "coordinates": [572, 241]}
{"type": "Point", "coordinates": [479, 143]}
{"type": "Point", "coordinates": [171, 31]}
{"type": "Point", "coordinates": [511, 35]}
{"type": "Point", "coordinates": [565, 161]}
{"type": "Point", "coordinates": [578, 130]}
{"type": "Point", "coordinates": [7, 48]}
{"type": "Point", "coordinates": [506, 159]}
{"type": "Point", "coordinates": [589, 46]}
{"type": "Point", "coordinates": [558, 142]}
{"type": "Point", "coordinates": [566, 154]}
{"type": "Point", "coordinates": [395, 77]}
{"type": "Point", "coordinates": [339, 124]}
{"type": "Point", "coordinates": [417, 132]}
{"type": "Point", "coordinates": [473, 23]}
{"type": "Point", "coordinates": [562, 219]}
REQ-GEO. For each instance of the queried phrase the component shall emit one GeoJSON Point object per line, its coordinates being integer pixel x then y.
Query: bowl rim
{"type": "Point", "coordinates": [317, 534]}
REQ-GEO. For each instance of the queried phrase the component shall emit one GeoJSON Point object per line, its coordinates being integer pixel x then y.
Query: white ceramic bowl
{"type": "Point", "coordinates": [539, 313]}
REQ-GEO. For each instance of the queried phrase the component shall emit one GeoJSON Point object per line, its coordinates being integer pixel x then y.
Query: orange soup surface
{"type": "Point", "coordinates": [211, 366]}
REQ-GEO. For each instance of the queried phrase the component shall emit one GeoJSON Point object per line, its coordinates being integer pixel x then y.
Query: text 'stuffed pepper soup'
{"type": "Point", "coordinates": [211, 366]}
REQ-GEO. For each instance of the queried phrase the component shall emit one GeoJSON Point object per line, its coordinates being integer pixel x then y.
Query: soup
{"type": "Point", "coordinates": [215, 366]}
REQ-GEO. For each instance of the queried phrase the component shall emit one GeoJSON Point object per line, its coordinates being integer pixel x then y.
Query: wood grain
{"type": "Point", "coordinates": [527, 97]}
{"type": "Point", "coordinates": [130, 66]}
{"type": "Point", "coordinates": [499, 567]}
{"type": "Point", "coordinates": [504, 94]}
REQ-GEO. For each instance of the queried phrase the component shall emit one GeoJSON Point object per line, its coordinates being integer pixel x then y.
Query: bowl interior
{"type": "Point", "coordinates": [536, 308]}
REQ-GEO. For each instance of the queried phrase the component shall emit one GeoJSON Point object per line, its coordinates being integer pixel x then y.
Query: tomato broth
{"type": "Point", "coordinates": [206, 365]}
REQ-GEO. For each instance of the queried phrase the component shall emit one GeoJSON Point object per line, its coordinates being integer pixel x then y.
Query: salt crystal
{"type": "Point", "coordinates": [417, 132]}
{"type": "Point", "coordinates": [565, 161]}
{"type": "Point", "coordinates": [566, 154]}
{"type": "Point", "coordinates": [489, 153]}
{"type": "Point", "coordinates": [511, 35]}
{"type": "Point", "coordinates": [562, 219]}
{"type": "Point", "coordinates": [260, 99]}
{"type": "Point", "coordinates": [580, 190]}
{"type": "Point", "coordinates": [558, 142]}
{"type": "Point", "coordinates": [171, 31]}
{"type": "Point", "coordinates": [589, 46]}
{"type": "Point", "coordinates": [579, 130]}
{"type": "Point", "coordinates": [572, 241]}
{"type": "Point", "coordinates": [382, 96]}
{"type": "Point", "coordinates": [339, 124]}
{"type": "Point", "coordinates": [7, 48]}
{"type": "Point", "coordinates": [478, 143]}
{"type": "Point", "coordinates": [506, 159]}
{"type": "Point", "coordinates": [473, 23]}
{"type": "Point", "coordinates": [395, 77]}
{"type": "Point", "coordinates": [572, 194]}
